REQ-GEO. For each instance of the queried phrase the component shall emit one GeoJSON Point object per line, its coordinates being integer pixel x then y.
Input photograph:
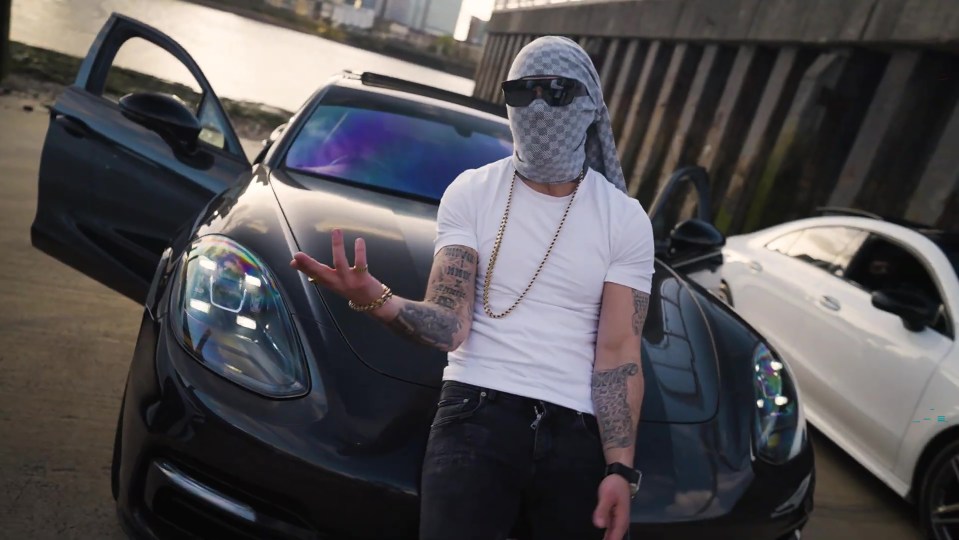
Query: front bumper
{"type": "Point", "coordinates": [200, 457]}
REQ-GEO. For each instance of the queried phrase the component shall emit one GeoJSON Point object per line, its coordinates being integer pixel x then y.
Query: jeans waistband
{"type": "Point", "coordinates": [498, 396]}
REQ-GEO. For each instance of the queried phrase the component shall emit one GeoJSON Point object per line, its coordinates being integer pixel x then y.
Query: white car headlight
{"type": "Point", "coordinates": [780, 428]}
{"type": "Point", "coordinates": [230, 315]}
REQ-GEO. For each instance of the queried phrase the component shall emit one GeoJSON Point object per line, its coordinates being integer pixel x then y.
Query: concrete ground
{"type": "Point", "coordinates": [65, 344]}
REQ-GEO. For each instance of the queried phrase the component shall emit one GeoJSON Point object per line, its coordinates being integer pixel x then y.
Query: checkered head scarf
{"type": "Point", "coordinates": [553, 144]}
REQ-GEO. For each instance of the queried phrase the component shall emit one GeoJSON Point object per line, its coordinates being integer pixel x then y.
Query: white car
{"type": "Point", "coordinates": [864, 311]}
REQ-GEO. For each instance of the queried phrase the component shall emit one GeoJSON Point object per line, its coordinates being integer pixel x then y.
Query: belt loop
{"type": "Point", "coordinates": [491, 394]}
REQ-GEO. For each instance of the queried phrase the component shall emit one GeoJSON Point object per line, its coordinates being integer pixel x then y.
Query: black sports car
{"type": "Point", "coordinates": [257, 406]}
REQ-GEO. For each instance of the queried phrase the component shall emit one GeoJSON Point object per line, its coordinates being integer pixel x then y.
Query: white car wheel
{"type": "Point", "coordinates": [939, 500]}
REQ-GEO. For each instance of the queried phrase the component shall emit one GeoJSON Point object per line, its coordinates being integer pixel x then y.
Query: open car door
{"type": "Point", "coordinates": [120, 175]}
{"type": "Point", "coordinates": [686, 244]}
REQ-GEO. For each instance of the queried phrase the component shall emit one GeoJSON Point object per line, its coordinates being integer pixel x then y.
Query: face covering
{"type": "Point", "coordinates": [554, 144]}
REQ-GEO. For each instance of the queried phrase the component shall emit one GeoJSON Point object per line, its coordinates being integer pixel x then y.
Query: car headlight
{"type": "Point", "coordinates": [230, 315]}
{"type": "Point", "coordinates": [780, 428]}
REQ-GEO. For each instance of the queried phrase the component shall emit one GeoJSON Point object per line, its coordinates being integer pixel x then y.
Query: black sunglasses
{"type": "Point", "coordinates": [555, 91]}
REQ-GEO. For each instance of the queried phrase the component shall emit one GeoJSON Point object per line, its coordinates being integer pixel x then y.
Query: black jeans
{"type": "Point", "coordinates": [490, 465]}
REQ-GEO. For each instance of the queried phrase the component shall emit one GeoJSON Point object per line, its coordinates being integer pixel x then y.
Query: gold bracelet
{"type": "Point", "coordinates": [387, 294]}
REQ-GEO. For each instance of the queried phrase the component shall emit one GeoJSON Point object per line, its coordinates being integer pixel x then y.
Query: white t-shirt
{"type": "Point", "coordinates": [545, 348]}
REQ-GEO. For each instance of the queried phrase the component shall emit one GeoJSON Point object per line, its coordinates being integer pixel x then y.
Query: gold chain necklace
{"type": "Point", "coordinates": [499, 240]}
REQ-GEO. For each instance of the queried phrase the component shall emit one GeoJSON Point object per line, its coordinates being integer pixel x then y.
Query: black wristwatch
{"type": "Point", "coordinates": [632, 476]}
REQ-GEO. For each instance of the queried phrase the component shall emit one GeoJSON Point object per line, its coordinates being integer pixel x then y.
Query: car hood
{"type": "Point", "coordinates": [679, 355]}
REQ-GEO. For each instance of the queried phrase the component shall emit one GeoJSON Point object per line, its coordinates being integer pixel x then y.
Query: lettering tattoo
{"type": "Point", "coordinates": [459, 252]}
{"type": "Point", "coordinates": [452, 280]}
{"type": "Point", "coordinates": [449, 301]}
{"type": "Point", "coordinates": [641, 303]}
{"type": "Point", "coordinates": [457, 272]}
{"type": "Point", "coordinates": [609, 389]}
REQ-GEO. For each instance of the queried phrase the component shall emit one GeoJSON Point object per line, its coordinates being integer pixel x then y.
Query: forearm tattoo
{"type": "Point", "coordinates": [641, 304]}
{"type": "Point", "coordinates": [610, 399]}
{"type": "Point", "coordinates": [449, 300]}
{"type": "Point", "coordinates": [430, 325]}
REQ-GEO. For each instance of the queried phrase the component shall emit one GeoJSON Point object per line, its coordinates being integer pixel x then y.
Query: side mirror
{"type": "Point", "coordinates": [167, 116]}
{"type": "Point", "coordinates": [916, 309]}
{"type": "Point", "coordinates": [693, 237]}
{"type": "Point", "coordinates": [268, 142]}
{"type": "Point", "coordinates": [275, 134]}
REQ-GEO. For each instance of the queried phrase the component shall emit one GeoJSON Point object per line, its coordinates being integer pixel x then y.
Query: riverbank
{"type": "Point", "coordinates": [41, 75]}
{"type": "Point", "coordinates": [259, 11]}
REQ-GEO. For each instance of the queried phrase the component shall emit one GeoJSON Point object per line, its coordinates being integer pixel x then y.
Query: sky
{"type": "Point", "coordinates": [474, 8]}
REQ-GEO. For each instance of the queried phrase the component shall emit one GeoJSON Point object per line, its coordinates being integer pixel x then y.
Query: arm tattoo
{"type": "Point", "coordinates": [641, 303]}
{"type": "Point", "coordinates": [612, 407]}
{"type": "Point", "coordinates": [453, 272]}
{"type": "Point", "coordinates": [449, 301]}
{"type": "Point", "coordinates": [430, 325]}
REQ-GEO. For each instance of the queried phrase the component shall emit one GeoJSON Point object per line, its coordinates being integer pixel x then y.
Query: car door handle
{"type": "Point", "coordinates": [73, 126]}
{"type": "Point", "coordinates": [755, 266]}
{"type": "Point", "coordinates": [829, 303]}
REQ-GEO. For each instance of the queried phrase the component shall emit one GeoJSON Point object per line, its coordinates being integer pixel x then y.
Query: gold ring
{"type": "Point", "coordinates": [363, 268]}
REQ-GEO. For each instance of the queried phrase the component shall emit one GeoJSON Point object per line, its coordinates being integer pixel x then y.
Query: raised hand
{"type": "Point", "coordinates": [351, 282]}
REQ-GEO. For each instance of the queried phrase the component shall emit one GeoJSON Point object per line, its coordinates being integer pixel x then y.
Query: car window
{"type": "Point", "coordinates": [854, 239]}
{"type": "Point", "coordinates": [409, 152]}
{"type": "Point", "coordinates": [823, 247]}
{"type": "Point", "coordinates": [881, 264]}
{"type": "Point", "coordinates": [161, 72]}
{"type": "Point", "coordinates": [784, 242]}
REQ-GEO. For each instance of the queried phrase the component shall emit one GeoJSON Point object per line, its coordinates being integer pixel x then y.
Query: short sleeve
{"type": "Point", "coordinates": [456, 219]}
{"type": "Point", "coordinates": [632, 254]}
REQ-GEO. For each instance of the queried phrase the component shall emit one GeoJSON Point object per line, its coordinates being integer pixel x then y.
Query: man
{"type": "Point", "coordinates": [560, 260]}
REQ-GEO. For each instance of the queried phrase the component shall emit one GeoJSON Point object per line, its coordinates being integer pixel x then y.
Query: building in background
{"type": "Point", "coordinates": [436, 17]}
{"type": "Point", "coordinates": [303, 8]}
{"type": "Point", "coordinates": [477, 31]}
{"type": "Point", "coordinates": [401, 12]}
{"type": "Point", "coordinates": [440, 16]}
{"type": "Point", "coordinates": [353, 15]}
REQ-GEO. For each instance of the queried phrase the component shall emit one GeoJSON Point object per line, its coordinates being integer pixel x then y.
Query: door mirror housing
{"type": "Point", "coordinates": [167, 116]}
{"type": "Point", "coordinates": [693, 238]}
{"type": "Point", "coordinates": [916, 310]}
{"type": "Point", "coordinates": [275, 134]}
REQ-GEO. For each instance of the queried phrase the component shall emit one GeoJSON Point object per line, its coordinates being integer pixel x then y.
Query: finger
{"type": "Point", "coordinates": [601, 514]}
{"type": "Point", "coordinates": [339, 252]}
{"type": "Point", "coordinates": [308, 265]}
{"type": "Point", "coordinates": [620, 519]}
{"type": "Point", "coordinates": [359, 253]}
{"type": "Point", "coordinates": [611, 527]}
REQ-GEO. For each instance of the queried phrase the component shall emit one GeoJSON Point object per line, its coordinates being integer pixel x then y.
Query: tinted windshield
{"type": "Point", "coordinates": [416, 150]}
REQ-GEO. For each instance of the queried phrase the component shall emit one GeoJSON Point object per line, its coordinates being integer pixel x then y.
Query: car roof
{"type": "Point", "coordinates": [421, 93]}
{"type": "Point", "coordinates": [935, 234]}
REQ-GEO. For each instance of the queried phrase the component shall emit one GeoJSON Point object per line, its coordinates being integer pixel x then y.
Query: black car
{"type": "Point", "coordinates": [258, 406]}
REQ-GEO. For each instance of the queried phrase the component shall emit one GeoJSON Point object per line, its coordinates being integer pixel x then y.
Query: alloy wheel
{"type": "Point", "coordinates": [943, 501]}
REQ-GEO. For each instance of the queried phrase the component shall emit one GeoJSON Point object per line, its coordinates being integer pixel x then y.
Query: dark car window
{"type": "Point", "coordinates": [826, 247]}
{"type": "Point", "coordinates": [882, 264]}
{"type": "Point", "coordinates": [401, 151]}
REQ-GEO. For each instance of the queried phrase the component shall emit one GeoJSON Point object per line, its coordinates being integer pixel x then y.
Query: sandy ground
{"type": "Point", "coordinates": [66, 342]}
